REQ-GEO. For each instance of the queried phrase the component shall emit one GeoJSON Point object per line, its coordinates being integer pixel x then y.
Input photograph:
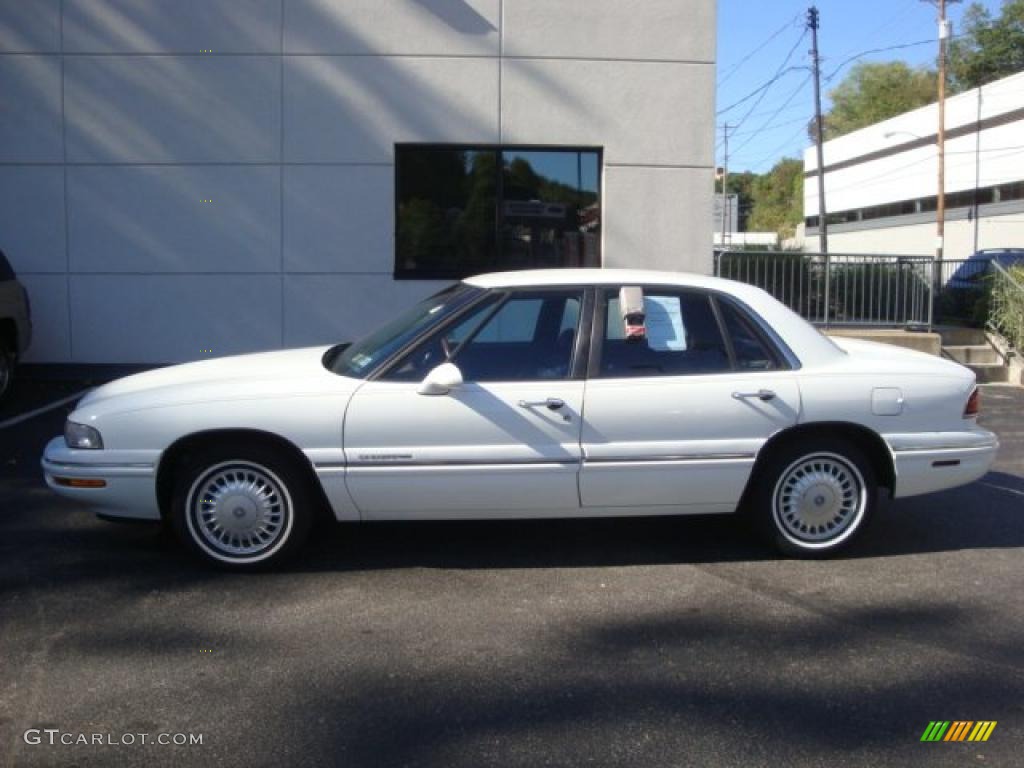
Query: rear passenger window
{"type": "Point", "coordinates": [682, 338]}
{"type": "Point", "coordinates": [752, 354]}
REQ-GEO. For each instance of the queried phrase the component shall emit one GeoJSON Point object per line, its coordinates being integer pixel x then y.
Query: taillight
{"type": "Point", "coordinates": [973, 404]}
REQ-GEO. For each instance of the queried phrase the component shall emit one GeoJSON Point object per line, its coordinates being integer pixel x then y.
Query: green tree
{"type": "Point", "coordinates": [987, 48]}
{"type": "Point", "coordinates": [778, 198]}
{"type": "Point", "coordinates": [875, 91]}
{"type": "Point", "coordinates": [741, 185]}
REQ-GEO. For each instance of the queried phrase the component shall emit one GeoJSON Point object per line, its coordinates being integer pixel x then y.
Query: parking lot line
{"type": "Point", "coordinates": [43, 409]}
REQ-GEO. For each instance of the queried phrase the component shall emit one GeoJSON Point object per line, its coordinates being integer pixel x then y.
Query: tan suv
{"type": "Point", "coordinates": [15, 323]}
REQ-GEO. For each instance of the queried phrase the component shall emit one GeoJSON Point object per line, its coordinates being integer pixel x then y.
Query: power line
{"type": "Point", "coordinates": [782, 72]}
{"type": "Point", "coordinates": [782, 67]}
{"type": "Point", "coordinates": [862, 54]}
{"type": "Point", "coordinates": [782, 146]}
{"type": "Point", "coordinates": [765, 128]}
{"type": "Point", "coordinates": [785, 104]}
{"type": "Point", "coordinates": [907, 10]}
{"type": "Point", "coordinates": [732, 71]}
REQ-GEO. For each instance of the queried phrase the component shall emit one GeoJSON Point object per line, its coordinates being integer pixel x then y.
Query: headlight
{"type": "Point", "coordinates": [81, 436]}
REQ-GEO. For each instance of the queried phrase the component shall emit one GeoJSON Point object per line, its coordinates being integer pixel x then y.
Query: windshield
{"type": "Point", "coordinates": [359, 359]}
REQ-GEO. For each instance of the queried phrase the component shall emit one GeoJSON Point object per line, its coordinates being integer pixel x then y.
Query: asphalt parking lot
{"type": "Point", "coordinates": [614, 642]}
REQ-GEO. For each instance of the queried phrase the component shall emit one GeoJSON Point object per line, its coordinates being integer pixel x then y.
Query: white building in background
{"type": "Point", "coordinates": [881, 181]}
{"type": "Point", "coordinates": [186, 178]}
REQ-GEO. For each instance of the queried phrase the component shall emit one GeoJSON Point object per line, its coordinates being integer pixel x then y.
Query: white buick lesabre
{"type": "Point", "coordinates": [562, 393]}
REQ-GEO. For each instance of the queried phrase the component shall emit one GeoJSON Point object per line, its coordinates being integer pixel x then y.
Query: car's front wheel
{"type": "Point", "coordinates": [814, 497]}
{"type": "Point", "coordinates": [242, 508]}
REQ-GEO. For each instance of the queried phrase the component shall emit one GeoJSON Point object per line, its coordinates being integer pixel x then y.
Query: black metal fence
{"type": "Point", "coordinates": [839, 289]}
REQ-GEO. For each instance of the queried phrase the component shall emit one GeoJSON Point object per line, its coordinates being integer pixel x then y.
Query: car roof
{"type": "Point", "coordinates": [530, 278]}
{"type": "Point", "coordinates": [809, 346]}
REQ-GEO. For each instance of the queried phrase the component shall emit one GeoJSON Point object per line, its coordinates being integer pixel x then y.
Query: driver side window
{"type": "Point", "coordinates": [529, 337]}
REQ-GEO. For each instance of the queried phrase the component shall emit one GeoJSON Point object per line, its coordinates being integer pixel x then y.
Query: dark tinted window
{"type": "Point", "coordinates": [358, 360]}
{"type": "Point", "coordinates": [752, 353]}
{"type": "Point", "coordinates": [440, 347]}
{"type": "Point", "coordinates": [682, 337]}
{"type": "Point", "coordinates": [463, 210]}
{"type": "Point", "coordinates": [530, 338]}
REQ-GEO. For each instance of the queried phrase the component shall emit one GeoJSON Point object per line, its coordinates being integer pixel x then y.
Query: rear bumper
{"type": "Point", "coordinates": [935, 461]}
{"type": "Point", "coordinates": [129, 489]}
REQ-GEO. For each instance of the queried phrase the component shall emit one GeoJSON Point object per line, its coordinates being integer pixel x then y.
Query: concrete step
{"type": "Point", "coordinates": [956, 336]}
{"type": "Point", "coordinates": [990, 374]}
{"type": "Point", "coordinates": [981, 354]}
{"type": "Point", "coordinates": [921, 341]}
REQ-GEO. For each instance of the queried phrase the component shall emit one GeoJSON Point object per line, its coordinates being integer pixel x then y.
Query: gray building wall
{"type": "Point", "coordinates": [187, 178]}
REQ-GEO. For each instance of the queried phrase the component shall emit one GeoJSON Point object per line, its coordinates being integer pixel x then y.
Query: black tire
{"type": "Point", "coordinates": [242, 507]}
{"type": "Point", "coordinates": [812, 498]}
{"type": "Point", "coordinates": [7, 360]}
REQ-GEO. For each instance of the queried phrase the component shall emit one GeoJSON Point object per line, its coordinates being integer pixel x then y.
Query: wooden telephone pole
{"type": "Point", "coordinates": [819, 131]}
{"type": "Point", "coordinates": [725, 184]}
{"type": "Point", "coordinates": [940, 204]}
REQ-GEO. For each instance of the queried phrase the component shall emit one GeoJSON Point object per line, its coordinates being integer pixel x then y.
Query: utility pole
{"type": "Point", "coordinates": [812, 23]}
{"type": "Point", "coordinates": [940, 206]}
{"type": "Point", "coordinates": [725, 183]}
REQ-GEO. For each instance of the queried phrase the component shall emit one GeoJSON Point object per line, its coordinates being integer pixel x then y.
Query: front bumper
{"type": "Point", "coordinates": [936, 461]}
{"type": "Point", "coordinates": [129, 479]}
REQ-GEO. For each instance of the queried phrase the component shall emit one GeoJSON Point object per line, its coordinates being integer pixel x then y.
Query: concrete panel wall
{"type": "Point", "coordinates": [51, 324]}
{"type": "Point", "coordinates": [30, 26]}
{"type": "Point", "coordinates": [401, 27]}
{"type": "Point", "coordinates": [650, 218]}
{"type": "Point", "coordinates": [30, 109]}
{"type": "Point", "coordinates": [173, 109]}
{"type": "Point", "coordinates": [187, 175]}
{"type": "Point", "coordinates": [197, 218]}
{"type": "Point", "coordinates": [611, 104]}
{"type": "Point", "coordinates": [338, 214]}
{"type": "Point", "coordinates": [326, 309]}
{"type": "Point", "coordinates": [172, 26]}
{"type": "Point", "coordinates": [32, 216]}
{"type": "Point", "coordinates": [665, 30]}
{"type": "Point", "coordinates": [353, 109]}
{"type": "Point", "coordinates": [173, 317]}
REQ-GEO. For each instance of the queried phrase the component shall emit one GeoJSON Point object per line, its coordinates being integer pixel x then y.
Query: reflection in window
{"type": "Point", "coordinates": [462, 211]}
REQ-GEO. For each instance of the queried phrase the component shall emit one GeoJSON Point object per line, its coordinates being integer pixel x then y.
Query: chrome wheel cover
{"type": "Point", "coordinates": [239, 512]}
{"type": "Point", "coordinates": [819, 500]}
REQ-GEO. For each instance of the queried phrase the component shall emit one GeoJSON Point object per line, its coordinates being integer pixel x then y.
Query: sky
{"type": "Point", "coordinates": [755, 37]}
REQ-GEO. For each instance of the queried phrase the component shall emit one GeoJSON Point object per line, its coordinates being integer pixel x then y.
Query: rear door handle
{"type": "Point", "coordinates": [552, 403]}
{"type": "Point", "coordinates": [762, 394]}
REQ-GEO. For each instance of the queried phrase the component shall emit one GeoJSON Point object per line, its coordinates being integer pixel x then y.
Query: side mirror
{"type": "Point", "coordinates": [442, 380]}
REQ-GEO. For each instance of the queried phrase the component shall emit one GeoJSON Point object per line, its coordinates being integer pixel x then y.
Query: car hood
{"type": "Point", "coordinates": [287, 373]}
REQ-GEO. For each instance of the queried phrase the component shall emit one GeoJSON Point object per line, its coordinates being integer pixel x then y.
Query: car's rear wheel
{"type": "Point", "coordinates": [241, 508]}
{"type": "Point", "coordinates": [813, 498]}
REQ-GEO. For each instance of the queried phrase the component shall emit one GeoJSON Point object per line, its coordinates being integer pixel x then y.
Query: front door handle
{"type": "Point", "coordinates": [552, 403]}
{"type": "Point", "coordinates": [763, 395]}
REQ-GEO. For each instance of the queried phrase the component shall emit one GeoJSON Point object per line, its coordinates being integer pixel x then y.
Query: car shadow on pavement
{"type": "Point", "coordinates": [984, 515]}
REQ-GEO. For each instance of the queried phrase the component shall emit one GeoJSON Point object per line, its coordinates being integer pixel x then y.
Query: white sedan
{"type": "Point", "coordinates": [561, 393]}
